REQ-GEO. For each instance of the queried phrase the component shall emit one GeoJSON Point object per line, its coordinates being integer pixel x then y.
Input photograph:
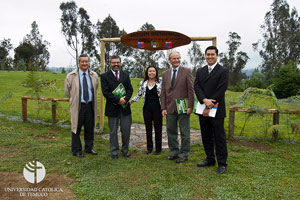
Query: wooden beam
{"type": "Point", "coordinates": [101, 115]}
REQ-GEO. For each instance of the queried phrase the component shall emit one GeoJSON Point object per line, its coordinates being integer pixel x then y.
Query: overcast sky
{"type": "Point", "coordinates": [190, 17]}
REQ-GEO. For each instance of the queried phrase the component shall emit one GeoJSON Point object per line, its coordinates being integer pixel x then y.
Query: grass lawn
{"type": "Point", "coordinates": [258, 168]}
{"type": "Point", "coordinates": [12, 82]}
{"type": "Point", "coordinates": [273, 173]}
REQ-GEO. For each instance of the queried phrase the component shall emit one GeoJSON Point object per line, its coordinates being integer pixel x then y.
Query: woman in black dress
{"type": "Point", "coordinates": [150, 90]}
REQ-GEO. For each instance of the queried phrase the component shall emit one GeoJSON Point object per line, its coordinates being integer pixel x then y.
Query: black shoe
{"type": "Point", "coordinates": [181, 160]}
{"type": "Point", "coordinates": [172, 157]}
{"type": "Point", "coordinates": [157, 152]}
{"type": "Point", "coordinates": [126, 155]}
{"type": "Point", "coordinates": [114, 156]}
{"type": "Point", "coordinates": [92, 152]}
{"type": "Point", "coordinates": [205, 164]}
{"type": "Point", "coordinates": [149, 151]}
{"type": "Point", "coordinates": [79, 155]}
{"type": "Point", "coordinates": [221, 169]}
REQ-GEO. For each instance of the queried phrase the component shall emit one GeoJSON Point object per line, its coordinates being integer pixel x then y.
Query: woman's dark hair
{"type": "Point", "coordinates": [146, 77]}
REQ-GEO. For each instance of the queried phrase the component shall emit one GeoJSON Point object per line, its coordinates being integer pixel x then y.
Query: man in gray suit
{"type": "Point", "coordinates": [177, 84]}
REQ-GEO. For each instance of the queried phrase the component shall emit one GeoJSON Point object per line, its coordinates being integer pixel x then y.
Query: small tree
{"type": "Point", "coordinates": [287, 81]}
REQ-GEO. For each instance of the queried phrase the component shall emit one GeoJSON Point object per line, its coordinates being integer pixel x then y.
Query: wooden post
{"type": "Point", "coordinates": [275, 122]}
{"type": "Point", "coordinates": [231, 123]}
{"type": "Point", "coordinates": [24, 109]}
{"type": "Point", "coordinates": [53, 112]}
{"type": "Point", "coordinates": [101, 116]}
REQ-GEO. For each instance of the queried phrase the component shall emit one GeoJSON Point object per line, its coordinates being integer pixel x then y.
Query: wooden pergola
{"type": "Point", "coordinates": [103, 41]}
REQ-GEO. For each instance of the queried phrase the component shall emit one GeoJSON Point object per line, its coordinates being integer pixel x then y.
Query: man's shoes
{"type": "Point", "coordinates": [157, 152]}
{"type": "Point", "coordinates": [92, 152]}
{"type": "Point", "coordinates": [149, 151]}
{"type": "Point", "coordinates": [79, 155]}
{"type": "Point", "coordinates": [172, 157]}
{"type": "Point", "coordinates": [181, 160]}
{"type": "Point", "coordinates": [126, 155]}
{"type": "Point", "coordinates": [205, 164]}
{"type": "Point", "coordinates": [221, 169]}
{"type": "Point", "coordinates": [114, 156]}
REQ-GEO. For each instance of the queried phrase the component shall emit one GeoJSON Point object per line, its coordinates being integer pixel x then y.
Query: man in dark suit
{"type": "Point", "coordinates": [113, 109]}
{"type": "Point", "coordinates": [177, 83]}
{"type": "Point", "coordinates": [210, 86]}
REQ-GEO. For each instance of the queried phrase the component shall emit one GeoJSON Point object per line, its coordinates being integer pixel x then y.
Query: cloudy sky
{"type": "Point", "coordinates": [190, 17]}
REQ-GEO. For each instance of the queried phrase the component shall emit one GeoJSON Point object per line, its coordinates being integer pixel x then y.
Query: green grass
{"type": "Point", "coordinates": [252, 174]}
{"type": "Point", "coordinates": [12, 82]}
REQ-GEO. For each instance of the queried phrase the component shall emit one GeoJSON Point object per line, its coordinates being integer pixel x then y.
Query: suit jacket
{"type": "Point", "coordinates": [183, 88]}
{"type": "Point", "coordinates": [108, 83]}
{"type": "Point", "coordinates": [72, 90]}
{"type": "Point", "coordinates": [212, 86]}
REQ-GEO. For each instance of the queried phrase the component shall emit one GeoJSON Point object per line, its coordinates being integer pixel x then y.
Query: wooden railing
{"type": "Point", "coordinates": [275, 113]}
{"type": "Point", "coordinates": [54, 100]}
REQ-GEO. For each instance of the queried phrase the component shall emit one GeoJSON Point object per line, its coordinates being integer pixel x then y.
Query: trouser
{"type": "Point", "coordinates": [125, 125]}
{"type": "Point", "coordinates": [156, 117]}
{"type": "Point", "coordinates": [172, 132]}
{"type": "Point", "coordinates": [214, 139]}
{"type": "Point", "coordinates": [86, 119]}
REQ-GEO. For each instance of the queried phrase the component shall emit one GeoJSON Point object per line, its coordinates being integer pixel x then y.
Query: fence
{"type": "Point", "coordinates": [275, 113]}
{"type": "Point", "coordinates": [54, 100]}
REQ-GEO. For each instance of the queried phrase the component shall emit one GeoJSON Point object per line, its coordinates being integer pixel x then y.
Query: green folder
{"type": "Point", "coordinates": [182, 105]}
{"type": "Point", "coordinates": [120, 92]}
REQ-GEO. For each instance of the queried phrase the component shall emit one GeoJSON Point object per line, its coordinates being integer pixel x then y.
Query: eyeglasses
{"type": "Point", "coordinates": [115, 63]}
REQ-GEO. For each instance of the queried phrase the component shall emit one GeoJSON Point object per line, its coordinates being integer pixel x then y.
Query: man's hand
{"type": "Point", "coordinates": [189, 111]}
{"type": "Point", "coordinates": [164, 113]}
{"type": "Point", "coordinates": [122, 101]}
{"type": "Point", "coordinates": [209, 102]}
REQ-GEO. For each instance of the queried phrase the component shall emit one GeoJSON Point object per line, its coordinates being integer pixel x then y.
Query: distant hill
{"type": "Point", "coordinates": [248, 72]}
{"type": "Point", "coordinates": [59, 69]}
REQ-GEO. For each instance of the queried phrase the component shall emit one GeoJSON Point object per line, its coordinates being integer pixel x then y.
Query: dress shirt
{"type": "Point", "coordinates": [212, 67]}
{"type": "Point", "coordinates": [114, 73]}
{"type": "Point", "coordinates": [88, 83]}
{"type": "Point", "coordinates": [177, 68]}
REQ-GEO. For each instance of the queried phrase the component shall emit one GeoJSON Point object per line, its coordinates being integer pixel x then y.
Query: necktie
{"type": "Point", "coordinates": [209, 69]}
{"type": "Point", "coordinates": [117, 75]}
{"type": "Point", "coordinates": [85, 89]}
{"type": "Point", "coordinates": [173, 77]}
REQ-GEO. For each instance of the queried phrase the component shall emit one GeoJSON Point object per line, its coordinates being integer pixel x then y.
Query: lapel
{"type": "Point", "coordinates": [167, 77]}
{"type": "Point", "coordinates": [179, 75]}
{"type": "Point", "coordinates": [113, 77]}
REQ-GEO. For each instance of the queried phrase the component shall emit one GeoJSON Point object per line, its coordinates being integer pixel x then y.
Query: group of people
{"type": "Point", "coordinates": [160, 96]}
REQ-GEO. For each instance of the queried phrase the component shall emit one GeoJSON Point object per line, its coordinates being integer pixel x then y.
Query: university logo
{"type": "Point", "coordinates": [34, 172]}
{"type": "Point", "coordinates": [154, 44]}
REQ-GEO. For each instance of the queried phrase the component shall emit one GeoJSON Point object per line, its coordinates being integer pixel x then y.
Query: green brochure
{"type": "Point", "coordinates": [182, 105]}
{"type": "Point", "coordinates": [120, 92]}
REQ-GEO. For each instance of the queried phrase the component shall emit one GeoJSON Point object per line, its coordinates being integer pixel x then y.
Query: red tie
{"type": "Point", "coordinates": [117, 76]}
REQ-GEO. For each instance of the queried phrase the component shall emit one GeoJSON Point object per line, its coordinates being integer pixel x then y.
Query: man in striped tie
{"type": "Point", "coordinates": [81, 88]}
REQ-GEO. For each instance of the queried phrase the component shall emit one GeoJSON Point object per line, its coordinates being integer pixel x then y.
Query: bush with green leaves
{"type": "Point", "coordinates": [287, 81]}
